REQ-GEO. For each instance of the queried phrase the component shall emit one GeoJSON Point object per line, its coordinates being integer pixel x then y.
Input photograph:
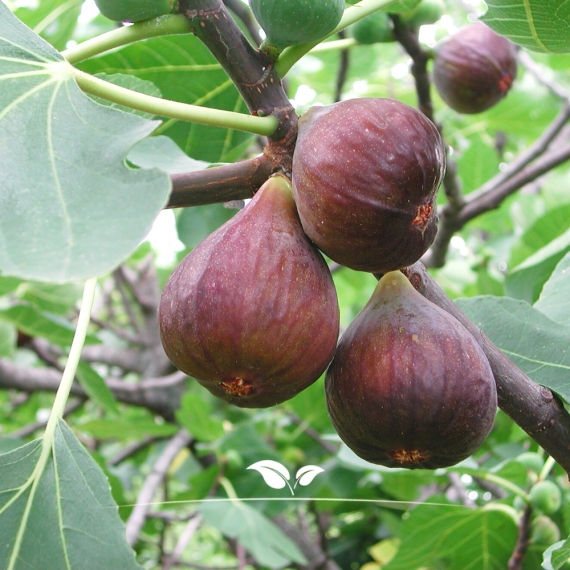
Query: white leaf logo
{"type": "Point", "coordinates": [306, 474]}
{"type": "Point", "coordinates": [277, 475]}
{"type": "Point", "coordinates": [273, 473]}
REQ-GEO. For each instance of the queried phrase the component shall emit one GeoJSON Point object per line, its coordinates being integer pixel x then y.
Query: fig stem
{"type": "Point", "coordinates": [173, 109]}
{"type": "Point", "coordinates": [161, 26]}
{"type": "Point", "coordinates": [546, 469]}
{"type": "Point", "coordinates": [504, 483]}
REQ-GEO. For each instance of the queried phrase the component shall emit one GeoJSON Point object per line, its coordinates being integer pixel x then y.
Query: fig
{"type": "Point", "coordinates": [532, 461]}
{"type": "Point", "coordinates": [296, 21]}
{"type": "Point", "coordinates": [365, 176]}
{"type": "Point", "coordinates": [425, 13]}
{"type": "Point", "coordinates": [544, 531]}
{"type": "Point", "coordinates": [251, 313]}
{"type": "Point", "coordinates": [375, 28]}
{"type": "Point", "coordinates": [546, 497]}
{"type": "Point", "coordinates": [135, 10]}
{"type": "Point", "coordinates": [409, 386]}
{"type": "Point", "coordinates": [474, 68]}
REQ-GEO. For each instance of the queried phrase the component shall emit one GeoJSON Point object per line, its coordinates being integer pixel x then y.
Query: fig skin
{"type": "Point", "coordinates": [365, 177]}
{"type": "Point", "coordinates": [252, 312]}
{"type": "Point", "coordinates": [474, 68]}
{"type": "Point", "coordinates": [409, 386]}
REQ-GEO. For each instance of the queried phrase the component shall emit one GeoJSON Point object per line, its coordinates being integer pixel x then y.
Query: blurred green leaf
{"type": "Point", "coordinates": [51, 297]}
{"type": "Point", "coordinates": [96, 388]}
{"type": "Point", "coordinates": [554, 300]}
{"type": "Point", "coordinates": [8, 338]}
{"type": "Point", "coordinates": [126, 428]}
{"type": "Point", "coordinates": [477, 164]}
{"type": "Point", "coordinates": [62, 516]}
{"type": "Point", "coordinates": [195, 224]}
{"type": "Point", "coordinates": [38, 324]}
{"type": "Point", "coordinates": [195, 414]}
{"type": "Point", "coordinates": [537, 345]}
{"type": "Point", "coordinates": [265, 541]}
{"type": "Point", "coordinates": [53, 20]}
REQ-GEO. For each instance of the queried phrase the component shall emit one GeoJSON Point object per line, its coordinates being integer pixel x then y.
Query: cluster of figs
{"type": "Point", "coordinates": [252, 312]}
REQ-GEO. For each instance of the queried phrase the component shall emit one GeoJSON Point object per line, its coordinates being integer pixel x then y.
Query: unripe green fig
{"type": "Point", "coordinates": [291, 22]}
{"type": "Point", "coordinates": [544, 531]}
{"type": "Point", "coordinates": [373, 29]}
{"type": "Point", "coordinates": [532, 461]}
{"type": "Point", "coordinates": [135, 10]}
{"type": "Point", "coordinates": [251, 312]}
{"type": "Point", "coordinates": [474, 68]}
{"type": "Point", "coordinates": [546, 497]}
{"type": "Point", "coordinates": [365, 177]}
{"type": "Point", "coordinates": [409, 386]}
{"type": "Point", "coordinates": [425, 13]}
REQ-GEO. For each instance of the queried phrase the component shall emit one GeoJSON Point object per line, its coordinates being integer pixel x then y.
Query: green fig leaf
{"type": "Point", "coordinates": [57, 511]}
{"type": "Point", "coordinates": [554, 300]}
{"type": "Point", "coordinates": [81, 210]}
{"type": "Point", "coordinates": [195, 414]}
{"type": "Point", "coordinates": [556, 555]}
{"type": "Point", "coordinates": [539, 25]}
{"type": "Point", "coordinates": [269, 546]}
{"type": "Point", "coordinates": [537, 345]}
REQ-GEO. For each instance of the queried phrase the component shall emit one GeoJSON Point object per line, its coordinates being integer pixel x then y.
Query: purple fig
{"type": "Point", "coordinates": [252, 312]}
{"type": "Point", "coordinates": [474, 68]}
{"type": "Point", "coordinates": [365, 178]}
{"type": "Point", "coordinates": [409, 386]}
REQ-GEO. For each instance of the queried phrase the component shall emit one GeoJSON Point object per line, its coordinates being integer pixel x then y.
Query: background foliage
{"type": "Point", "coordinates": [139, 434]}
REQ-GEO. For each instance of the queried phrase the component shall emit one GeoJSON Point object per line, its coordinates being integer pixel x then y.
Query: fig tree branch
{"type": "Point", "coordinates": [144, 500]}
{"type": "Point", "coordinates": [251, 71]}
{"type": "Point", "coordinates": [235, 181]}
{"type": "Point", "coordinates": [452, 220]}
{"type": "Point", "coordinates": [534, 408]}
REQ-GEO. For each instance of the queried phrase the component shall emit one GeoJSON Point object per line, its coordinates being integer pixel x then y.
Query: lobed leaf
{"type": "Point", "coordinates": [64, 183]}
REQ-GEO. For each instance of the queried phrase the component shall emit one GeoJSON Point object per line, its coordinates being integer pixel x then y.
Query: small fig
{"type": "Point", "coordinates": [474, 68]}
{"type": "Point", "coordinates": [365, 177]}
{"type": "Point", "coordinates": [409, 386]}
{"type": "Point", "coordinates": [375, 28]}
{"type": "Point", "coordinates": [531, 460]}
{"type": "Point", "coordinates": [544, 531]}
{"type": "Point", "coordinates": [546, 497]}
{"type": "Point", "coordinates": [252, 312]}
{"type": "Point", "coordinates": [135, 10]}
{"type": "Point", "coordinates": [296, 21]}
{"type": "Point", "coordinates": [425, 13]}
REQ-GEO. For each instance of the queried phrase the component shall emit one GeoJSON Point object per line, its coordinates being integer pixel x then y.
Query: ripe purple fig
{"type": "Point", "coordinates": [365, 178]}
{"type": "Point", "coordinates": [474, 68]}
{"type": "Point", "coordinates": [409, 386]}
{"type": "Point", "coordinates": [252, 312]}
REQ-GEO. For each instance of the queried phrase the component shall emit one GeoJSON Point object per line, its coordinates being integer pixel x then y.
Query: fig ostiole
{"type": "Point", "coordinates": [365, 177]}
{"type": "Point", "coordinates": [409, 386]}
{"type": "Point", "coordinates": [474, 68]}
{"type": "Point", "coordinates": [252, 313]}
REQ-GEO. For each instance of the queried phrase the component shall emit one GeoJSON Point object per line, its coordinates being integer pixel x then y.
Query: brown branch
{"type": "Point", "coordinates": [183, 540]}
{"type": "Point", "coordinates": [343, 65]}
{"type": "Point", "coordinates": [236, 181]}
{"type": "Point", "coordinates": [251, 71]}
{"type": "Point", "coordinates": [517, 558]}
{"type": "Point", "coordinates": [159, 395]}
{"type": "Point", "coordinates": [408, 38]}
{"type": "Point", "coordinates": [153, 481]}
{"type": "Point", "coordinates": [534, 408]}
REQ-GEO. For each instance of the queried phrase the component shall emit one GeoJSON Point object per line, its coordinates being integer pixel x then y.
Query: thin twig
{"type": "Point", "coordinates": [138, 515]}
{"type": "Point", "coordinates": [131, 449]}
{"type": "Point", "coordinates": [183, 541]}
{"type": "Point", "coordinates": [517, 558]}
